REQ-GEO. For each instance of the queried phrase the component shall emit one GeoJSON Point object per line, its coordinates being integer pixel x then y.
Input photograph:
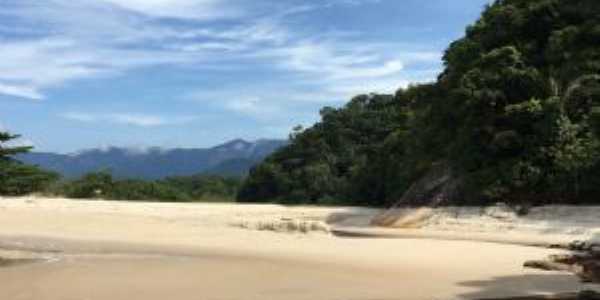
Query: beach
{"type": "Point", "coordinates": [69, 249]}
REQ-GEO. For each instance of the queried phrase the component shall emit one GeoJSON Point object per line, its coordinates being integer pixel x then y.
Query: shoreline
{"type": "Point", "coordinates": [224, 243]}
{"type": "Point", "coordinates": [495, 271]}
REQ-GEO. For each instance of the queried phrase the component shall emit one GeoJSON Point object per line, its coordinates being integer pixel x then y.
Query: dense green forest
{"type": "Point", "coordinates": [514, 117]}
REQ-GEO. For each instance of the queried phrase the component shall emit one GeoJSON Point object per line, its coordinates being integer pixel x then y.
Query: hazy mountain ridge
{"type": "Point", "coordinates": [235, 157]}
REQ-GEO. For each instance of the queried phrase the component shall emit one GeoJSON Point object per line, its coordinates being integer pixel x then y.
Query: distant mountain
{"type": "Point", "coordinates": [232, 167]}
{"type": "Point", "coordinates": [235, 158]}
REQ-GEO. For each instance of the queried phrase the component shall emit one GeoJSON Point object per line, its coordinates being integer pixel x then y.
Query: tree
{"type": "Point", "coordinates": [514, 117]}
{"type": "Point", "coordinates": [17, 178]}
{"type": "Point", "coordinates": [8, 152]}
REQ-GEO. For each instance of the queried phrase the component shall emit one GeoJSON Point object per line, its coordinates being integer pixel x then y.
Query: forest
{"type": "Point", "coordinates": [513, 117]}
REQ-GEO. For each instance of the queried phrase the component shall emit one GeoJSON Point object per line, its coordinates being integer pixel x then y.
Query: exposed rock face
{"type": "Point", "coordinates": [438, 186]}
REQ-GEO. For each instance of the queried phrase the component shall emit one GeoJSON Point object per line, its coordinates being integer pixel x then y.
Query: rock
{"type": "Point", "coordinates": [547, 265]}
{"type": "Point", "coordinates": [595, 251]}
{"type": "Point", "coordinates": [591, 271]}
{"type": "Point", "coordinates": [406, 219]}
{"type": "Point", "coordinates": [500, 211]}
{"type": "Point", "coordinates": [584, 295]}
{"type": "Point", "coordinates": [438, 186]}
{"type": "Point", "coordinates": [563, 259]}
{"type": "Point", "coordinates": [577, 246]}
{"type": "Point", "coordinates": [585, 262]}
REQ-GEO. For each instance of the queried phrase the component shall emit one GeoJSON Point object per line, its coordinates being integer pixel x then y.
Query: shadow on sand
{"type": "Point", "coordinates": [526, 287]}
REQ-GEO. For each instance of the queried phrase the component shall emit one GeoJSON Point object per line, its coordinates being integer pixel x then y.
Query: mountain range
{"type": "Point", "coordinates": [233, 158]}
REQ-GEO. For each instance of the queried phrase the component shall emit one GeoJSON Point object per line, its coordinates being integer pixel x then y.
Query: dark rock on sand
{"type": "Point", "coordinates": [583, 262]}
{"type": "Point", "coordinates": [585, 295]}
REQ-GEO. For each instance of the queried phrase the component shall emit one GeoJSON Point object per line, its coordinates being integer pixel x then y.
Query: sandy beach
{"type": "Point", "coordinates": [68, 249]}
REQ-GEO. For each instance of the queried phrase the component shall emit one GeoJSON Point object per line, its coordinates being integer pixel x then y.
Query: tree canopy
{"type": "Point", "coordinates": [514, 115]}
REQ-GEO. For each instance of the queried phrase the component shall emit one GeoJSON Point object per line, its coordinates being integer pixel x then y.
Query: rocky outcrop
{"type": "Point", "coordinates": [436, 187]}
{"type": "Point", "coordinates": [584, 261]}
{"type": "Point", "coordinates": [585, 295]}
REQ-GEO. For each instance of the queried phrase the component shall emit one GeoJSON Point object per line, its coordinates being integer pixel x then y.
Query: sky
{"type": "Point", "coordinates": [80, 74]}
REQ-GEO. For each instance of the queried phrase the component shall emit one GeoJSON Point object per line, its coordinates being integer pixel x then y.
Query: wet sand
{"type": "Point", "coordinates": [191, 278]}
{"type": "Point", "coordinates": [105, 250]}
{"type": "Point", "coordinates": [445, 273]}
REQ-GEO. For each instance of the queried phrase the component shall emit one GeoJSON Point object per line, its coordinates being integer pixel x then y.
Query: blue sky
{"type": "Point", "coordinates": [78, 74]}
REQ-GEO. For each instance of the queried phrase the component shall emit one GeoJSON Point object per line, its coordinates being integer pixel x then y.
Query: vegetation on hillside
{"type": "Point", "coordinates": [17, 178]}
{"type": "Point", "coordinates": [514, 117]}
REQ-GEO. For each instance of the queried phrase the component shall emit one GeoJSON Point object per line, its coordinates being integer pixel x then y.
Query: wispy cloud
{"type": "Point", "coordinates": [76, 40]}
{"type": "Point", "coordinates": [193, 9]}
{"type": "Point", "coordinates": [21, 91]}
{"type": "Point", "coordinates": [20, 142]}
{"type": "Point", "coordinates": [131, 119]}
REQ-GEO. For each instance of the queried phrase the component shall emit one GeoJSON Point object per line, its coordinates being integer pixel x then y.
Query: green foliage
{"type": "Point", "coordinates": [515, 114]}
{"type": "Point", "coordinates": [102, 185]}
{"type": "Point", "coordinates": [17, 178]}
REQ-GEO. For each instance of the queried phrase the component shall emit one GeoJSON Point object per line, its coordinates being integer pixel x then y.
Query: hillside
{"type": "Point", "coordinates": [513, 117]}
{"type": "Point", "coordinates": [231, 158]}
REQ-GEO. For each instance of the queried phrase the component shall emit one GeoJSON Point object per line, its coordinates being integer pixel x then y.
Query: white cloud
{"type": "Point", "coordinates": [194, 9]}
{"type": "Point", "coordinates": [81, 117]}
{"type": "Point", "coordinates": [20, 142]}
{"type": "Point", "coordinates": [264, 105]}
{"type": "Point", "coordinates": [254, 107]}
{"type": "Point", "coordinates": [336, 71]}
{"type": "Point", "coordinates": [28, 67]}
{"type": "Point", "coordinates": [82, 40]}
{"type": "Point", "coordinates": [139, 120]}
{"type": "Point", "coordinates": [131, 119]}
{"type": "Point", "coordinates": [347, 63]}
{"type": "Point", "coordinates": [388, 85]}
{"type": "Point", "coordinates": [27, 92]}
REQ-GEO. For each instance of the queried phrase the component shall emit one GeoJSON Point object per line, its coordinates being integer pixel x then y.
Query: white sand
{"type": "Point", "coordinates": [127, 250]}
{"type": "Point", "coordinates": [541, 226]}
